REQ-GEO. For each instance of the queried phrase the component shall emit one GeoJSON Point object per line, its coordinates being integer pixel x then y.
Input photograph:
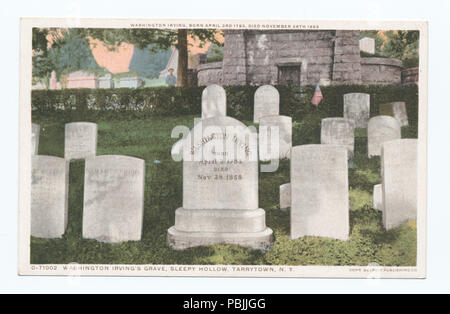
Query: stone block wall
{"type": "Point", "coordinates": [410, 76]}
{"type": "Point", "coordinates": [209, 73]}
{"type": "Point", "coordinates": [381, 71]}
{"type": "Point", "coordinates": [347, 58]}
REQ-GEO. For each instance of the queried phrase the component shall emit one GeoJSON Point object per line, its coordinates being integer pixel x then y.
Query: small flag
{"type": "Point", "coordinates": [317, 97]}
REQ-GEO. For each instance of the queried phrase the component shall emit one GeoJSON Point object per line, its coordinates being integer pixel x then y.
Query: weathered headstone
{"type": "Point", "coordinates": [357, 108]}
{"type": "Point", "coordinates": [214, 102]}
{"type": "Point", "coordinates": [49, 196]}
{"type": "Point", "coordinates": [80, 140]}
{"type": "Point", "coordinates": [381, 129]}
{"type": "Point", "coordinates": [220, 188]}
{"type": "Point", "coordinates": [285, 196]}
{"type": "Point", "coordinates": [113, 198]}
{"type": "Point", "coordinates": [397, 110]}
{"type": "Point", "coordinates": [338, 131]}
{"type": "Point", "coordinates": [319, 192]}
{"type": "Point", "coordinates": [266, 102]}
{"type": "Point", "coordinates": [275, 137]}
{"type": "Point", "coordinates": [35, 130]}
{"type": "Point", "coordinates": [399, 163]}
{"type": "Point", "coordinates": [378, 197]}
{"type": "Point", "coordinates": [367, 44]}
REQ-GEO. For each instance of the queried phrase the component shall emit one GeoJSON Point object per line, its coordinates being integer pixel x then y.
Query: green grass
{"type": "Point", "coordinates": [150, 140]}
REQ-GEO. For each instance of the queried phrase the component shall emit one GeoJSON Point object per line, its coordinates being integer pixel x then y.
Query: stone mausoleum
{"type": "Point", "coordinates": [274, 57]}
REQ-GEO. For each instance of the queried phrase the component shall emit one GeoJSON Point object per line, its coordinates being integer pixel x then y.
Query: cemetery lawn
{"type": "Point", "coordinates": [150, 140]}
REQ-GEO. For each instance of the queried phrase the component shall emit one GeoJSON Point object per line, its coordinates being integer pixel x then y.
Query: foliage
{"type": "Point", "coordinates": [148, 63]}
{"type": "Point", "coordinates": [214, 53]}
{"type": "Point", "coordinates": [402, 45]}
{"type": "Point", "coordinates": [149, 138]}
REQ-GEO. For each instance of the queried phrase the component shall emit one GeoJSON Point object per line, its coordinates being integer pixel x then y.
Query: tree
{"type": "Point", "coordinates": [158, 39]}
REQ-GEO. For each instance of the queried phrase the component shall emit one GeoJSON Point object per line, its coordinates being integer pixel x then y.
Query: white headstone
{"type": "Point", "coordinates": [214, 102]}
{"type": "Point", "coordinates": [381, 129]}
{"type": "Point", "coordinates": [278, 129]}
{"type": "Point", "coordinates": [113, 198]}
{"type": "Point", "coordinates": [49, 196]}
{"type": "Point", "coordinates": [378, 197]}
{"type": "Point", "coordinates": [367, 44]}
{"type": "Point", "coordinates": [220, 188]}
{"type": "Point", "coordinates": [266, 102]}
{"type": "Point", "coordinates": [35, 130]}
{"type": "Point", "coordinates": [319, 192]}
{"type": "Point", "coordinates": [397, 110]}
{"type": "Point", "coordinates": [338, 131]}
{"type": "Point", "coordinates": [399, 164]}
{"type": "Point", "coordinates": [285, 196]}
{"type": "Point", "coordinates": [80, 140]}
{"type": "Point", "coordinates": [357, 108]}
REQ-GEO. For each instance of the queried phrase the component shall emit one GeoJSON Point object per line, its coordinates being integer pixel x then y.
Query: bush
{"type": "Point", "coordinates": [124, 103]}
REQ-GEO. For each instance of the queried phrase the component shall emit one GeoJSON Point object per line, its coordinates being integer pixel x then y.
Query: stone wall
{"type": "Point", "coordinates": [347, 58]}
{"type": "Point", "coordinates": [410, 76]}
{"type": "Point", "coordinates": [381, 71]}
{"type": "Point", "coordinates": [329, 57]}
{"type": "Point", "coordinates": [209, 73]}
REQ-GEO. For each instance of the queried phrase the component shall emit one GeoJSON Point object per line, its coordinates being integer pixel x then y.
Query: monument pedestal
{"type": "Point", "coordinates": [201, 227]}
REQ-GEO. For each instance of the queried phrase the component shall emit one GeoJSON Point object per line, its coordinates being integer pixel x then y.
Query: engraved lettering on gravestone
{"type": "Point", "coordinates": [220, 188]}
{"type": "Point", "coordinates": [338, 131]}
{"type": "Point", "coordinates": [266, 102]}
{"type": "Point", "coordinates": [80, 140]}
{"type": "Point", "coordinates": [49, 196]}
{"type": "Point", "coordinates": [113, 198]}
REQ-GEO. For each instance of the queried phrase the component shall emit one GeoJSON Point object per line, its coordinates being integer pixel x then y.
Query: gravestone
{"type": "Point", "coordinates": [49, 196]}
{"type": "Point", "coordinates": [266, 102]}
{"type": "Point", "coordinates": [113, 198]}
{"type": "Point", "coordinates": [285, 196]}
{"type": "Point", "coordinates": [397, 110]}
{"type": "Point", "coordinates": [381, 129]}
{"type": "Point", "coordinates": [278, 129]}
{"type": "Point", "coordinates": [80, 140]}
{"type": "Point", "coordinates": [220, 188]}
{"type": "Point", "coordinates": [319, 192]}
{"type": "Point", "coordinates": [357, 108]}
{"type": "Point", "coordinates": [214, 102]}
{"type": "Point", "coordinates": [378, 197]}
{"type": "Point", "coordinates": [399, 175]}
{"type": "Point", "coordinates": [35, 130]}
{"type": "Point", "coordinates": [338, 131]}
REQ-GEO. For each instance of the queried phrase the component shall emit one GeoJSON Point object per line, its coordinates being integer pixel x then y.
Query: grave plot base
{"type": "Point", "coordinates": [180, 240]}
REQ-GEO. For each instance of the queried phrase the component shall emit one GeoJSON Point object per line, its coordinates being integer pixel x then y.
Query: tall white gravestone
{"type": "Point", "coordinates": [113, 198]}
{"type": "Point", "coordinates": [35, 130]}
{"type": "Point", "coordinates": [220, 188]}
{"type": "Point", "coordinates": [80, 140]}
{"type": "Point", "coordinates": [319, 192]}
{"type": "Point", "coordinates": [399, 164]}
{"type": "Point", "coordinates": [214, 102]}
{"type": "Point", "coordinates": [266, 102]}
{"type": "Point", "coordinates": [49, 196]}
{"type": "Point", "coordinates": [275, 145]}
{"type": "Point", "coordinates": [381, 129]}
{"type": "Point", "coordinates": [357, 108]}
{"type": "Point", "coordinates": [397, 110]}
{"type": "Point", "coordinates": [338, 131]}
